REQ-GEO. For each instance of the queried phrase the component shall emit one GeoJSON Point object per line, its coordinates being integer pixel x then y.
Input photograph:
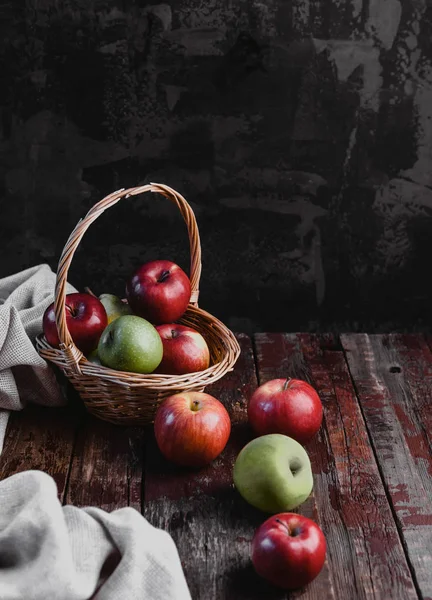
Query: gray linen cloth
{"type": "Point", "coordinates": [50, 552]}
{"type": "Point", "coordinates": [24, 375]}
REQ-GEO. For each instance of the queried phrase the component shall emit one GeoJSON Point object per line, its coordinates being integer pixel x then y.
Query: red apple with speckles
{"type": "Point", "coordinates": [184, 350]}
{"type": "Point", "coordinates": [191, 428]}
{"type": "Point", "coordinates": [159, 291]}
{"type": "Point", "coordinates": [288, 550]}
{"type": "Point", "coordinates": [288, 406]}
{"type": "Point", "coordinates": [86, 318]}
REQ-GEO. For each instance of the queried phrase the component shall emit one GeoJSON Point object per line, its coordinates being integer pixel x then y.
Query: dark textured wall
{"type": "Point", "coordinates": [300, 131]}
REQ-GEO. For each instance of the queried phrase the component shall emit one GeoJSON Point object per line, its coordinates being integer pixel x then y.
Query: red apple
{"type": "Point", "coordinates": [86, 319]}
{"type": "Point", "coordinates": [184, 350]}
{"type": "Point", "coordinates": [288, 550]}
{"type": "Point", "coordinates": [192, 428]}
{"type": "Point", "coordinates": [288, 406]}
{"type": "Point", "coordinates": [159, 291]}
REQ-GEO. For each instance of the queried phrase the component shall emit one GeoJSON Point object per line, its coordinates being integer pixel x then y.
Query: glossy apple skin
{"type": "Point", "coordinates": [184, 350]}
{"type": "Point", "coordinates": [291, 407]}
{"type": "Point", "coordinates": [288, 550]}
{"type": "Point", "coordinates": [159, 291]}
{"type": "Point", "coordinates": [86, 319]}
{"type": "Point", "coordinates": [192, 428]}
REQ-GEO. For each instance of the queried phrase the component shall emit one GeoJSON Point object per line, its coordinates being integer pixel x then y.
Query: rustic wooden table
{"type": "Point", "coordinates": [372, 463]}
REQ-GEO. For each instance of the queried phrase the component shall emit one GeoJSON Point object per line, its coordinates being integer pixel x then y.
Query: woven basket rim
{"type": "Point", "coordinates": [122, 396]}
{"type": "Point", "coordinates": [157, 381]}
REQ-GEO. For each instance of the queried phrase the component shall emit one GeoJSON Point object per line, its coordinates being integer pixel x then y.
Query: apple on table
{"type": "Point", "coordinates": [288, 550]}
{"type": "Point", "coordinates": [288, 406]}
{"type": "Point", "coordinates": [273, 473]}
{"type": "Point", "coordinates": [191, 428]}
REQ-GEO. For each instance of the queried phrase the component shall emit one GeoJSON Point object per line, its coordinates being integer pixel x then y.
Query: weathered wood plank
{"type": "Point", "coordinates": [107, 466]}
{"type": "Point", "coordinates": [365, 556]}
{"type": "Point", "coordinates": [40, 438]}
{"type": "Point", "coordinates": [209, 521]}
{"type": "Point", "coordinates": [393, 379]}
{"type": "Point", "coordinates": [416, 370]}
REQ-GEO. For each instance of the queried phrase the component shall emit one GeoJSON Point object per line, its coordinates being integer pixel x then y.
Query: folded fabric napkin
{"type": "Point", "coordinates": [24, 375]}
{"type": "Point", "coordinates": [66, 553]}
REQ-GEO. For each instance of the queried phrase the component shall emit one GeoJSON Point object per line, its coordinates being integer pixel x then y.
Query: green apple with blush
{"type": "Point", "coordinates": [114, 307]}
{"type": "Point", "coordinates": [273, 473]}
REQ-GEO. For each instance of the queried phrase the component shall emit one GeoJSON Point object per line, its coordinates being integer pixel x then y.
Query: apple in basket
{"type": "Point", "coordinates": [288, 550]}
{"type": "Point", "coordinates": [191, 428]}
{"type": "Point", "coordinates": [114, 307]}
{"type": "Point", "coordinates": [86, 319]}
{"type": "Point", "coordinates": [184, 350]}
{"type": "Point", "coordinates": [130, 343]}
{"type": "Point", "coordinates": [159, 291]}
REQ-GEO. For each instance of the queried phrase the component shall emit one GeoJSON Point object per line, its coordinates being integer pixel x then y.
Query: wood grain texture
{"type": "Point", "coordinates": [365, 557]}
{"type": "Point", "coordinates": [377, 518]}
{"type": "Point", "coordinates": [393, 378]}
{"type": "Point", "coordinates": [107, 466]}
{"type": "Point", "coordinates": [209, 521]}
{"type": "Point", "coordinates": [40, 438]}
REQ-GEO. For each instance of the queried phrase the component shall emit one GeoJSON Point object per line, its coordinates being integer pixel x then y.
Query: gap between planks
{"type": "Point", "coordinates": [30, 442]}
{"type": "Point", "coordinates": [365, 556]}
{"type": "Point", "coordinates": [41, 438]}
{"type": "Point", "coordinates": [107, 466]}
{"type": "Point", "coordinates": [209, 521]}
{"type": "Point", "coordinates": [393, 379]}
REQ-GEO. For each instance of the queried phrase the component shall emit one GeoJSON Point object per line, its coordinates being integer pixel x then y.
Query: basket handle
{"type": "Point", "coordinates": [75, 237]}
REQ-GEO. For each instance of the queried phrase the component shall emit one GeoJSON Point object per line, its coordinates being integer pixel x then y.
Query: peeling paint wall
{"type": "Point", "coordinates": [300, 131]}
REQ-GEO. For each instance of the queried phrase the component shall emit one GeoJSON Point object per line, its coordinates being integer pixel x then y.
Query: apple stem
{"type": "Point", "coordinates": [163, 276]}
{"type": "Point", "coordinates": [286, 384]}
{"type": "Point", "coordinates": [290, 532]}
{"type": "Point", "coordinates": [284, 525]}
{"type": "Point", "coordinates": [88, 291]}
{"type": "Point", "coordinates": [195, 405]}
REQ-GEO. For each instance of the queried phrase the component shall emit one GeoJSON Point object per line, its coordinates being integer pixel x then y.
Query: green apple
{"type": "Point", "coordinates": [130, 343]}
{"type": "Point", "coordinates": [273, 473]}
{"type": "Point", "coordinates": [114, 307]}
{"type": "Point", "coordinates": [93, 357]}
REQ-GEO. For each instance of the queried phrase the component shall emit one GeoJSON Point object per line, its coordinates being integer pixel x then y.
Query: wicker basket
{"type": "Point", "coordinates": [131, 398]}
